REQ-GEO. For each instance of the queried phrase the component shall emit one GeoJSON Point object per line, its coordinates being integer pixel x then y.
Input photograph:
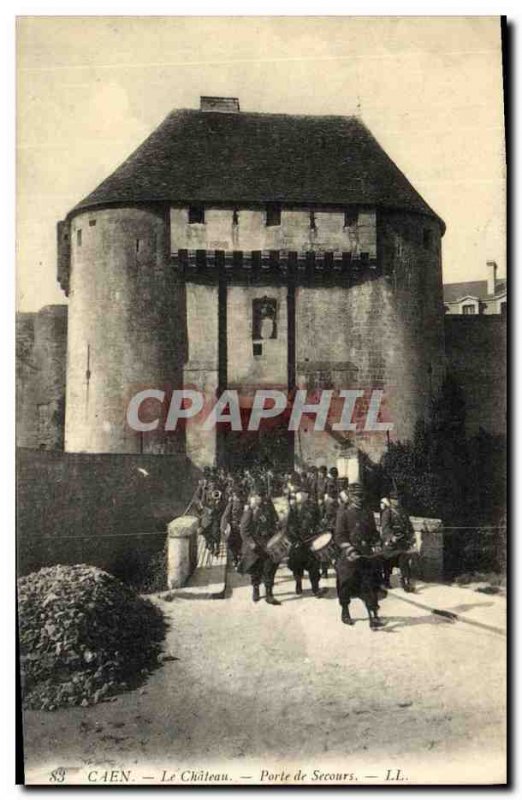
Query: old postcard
{"type": "Point", "coordinates": [261, 400]}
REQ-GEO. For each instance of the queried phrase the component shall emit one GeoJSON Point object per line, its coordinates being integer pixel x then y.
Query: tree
{"type": "Point", "coordinates": [432, 471]}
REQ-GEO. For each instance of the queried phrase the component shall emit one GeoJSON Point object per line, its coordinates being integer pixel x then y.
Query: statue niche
{"type": "Point", "coordinates": [264, 318]}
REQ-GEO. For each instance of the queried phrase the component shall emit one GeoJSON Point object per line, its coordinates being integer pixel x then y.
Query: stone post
{"type": "Point", "coordinates": [429, 537]}
{"type": "Point", "coordinates": [182, 550]}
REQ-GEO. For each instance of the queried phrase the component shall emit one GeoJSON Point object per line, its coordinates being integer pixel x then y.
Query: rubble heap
{"type": "Point", "coordinates": [84, 636]}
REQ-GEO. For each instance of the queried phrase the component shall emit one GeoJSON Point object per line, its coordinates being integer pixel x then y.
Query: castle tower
{"type": "Point", "coordinates": [240, 250]}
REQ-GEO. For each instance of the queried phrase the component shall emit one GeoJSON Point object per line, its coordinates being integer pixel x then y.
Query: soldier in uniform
{"type": "Point", "coordinates": [343, 486]}
{"type": "Point", "coordinates": [310, 482]}
{"type": "Point", "coordinates": [231, 521]}
{"type": "Point", "coordinates": [212, 510]}
{"type": "Point", "coordinates": [258, 524]}
{"type": "Point", "coordinates": [292, 485]}
{"type": "Point", "coordinates": [322, 476]}
{"type": "Point", "coordinates": [301, 525]}
{"type": "Point", "coordinates": [356, 535]}
{"type": "Point", "coordinates": [332, 480]}
{"type": "Point", "coordinates": [204, 503]}
{"type": "Point", "coordinates": [398, 538]}
{"type": "Point", "coordinates": [327, 505]}
{"type": "Point", "coordinates": [201, 489]}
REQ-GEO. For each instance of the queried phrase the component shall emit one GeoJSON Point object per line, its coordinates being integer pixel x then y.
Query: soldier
{"type": "Point", "coordinates": [343, 486]}
{"type": "Point", "coordinates": [332, 478]}
{"type": "Point", "coordinates": [203, 504]}
{"type": "Point", "coordinates": [398, 538]}
{"type": "Point", "coordinates": [213, 507]}
{"type": "Point", "coordinates": [357, 575]}
{"type": "Point", "coordinates": [322, 476]}
{"type": "Point", "coordinates": [301, 525]}
{"type": "Point", "coordinates": [248, 479]}
{"type": "Point", "coordinates": [327, 505]}
{"type": "Point", "coordinates": [310, 482]}
{"type": "Point", "coordinates": [231, 521]}
{"type": "Point", "coordinates": [258, 524]}
{"type": "Point", "coordinates": [229, 483]}
{"type": "Point", "coordinates": [292, 485]}
{"type": "Point", "coordinates": [201, 489]}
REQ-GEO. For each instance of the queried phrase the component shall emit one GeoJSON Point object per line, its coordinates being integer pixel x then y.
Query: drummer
{"type": "Point", "coordinates": [301, 525]}
{"type": "Point", "coordinates": [328, 505]}
{"type": "Point", "coordinates": [343, 488]}
{"type": "Point", "coordinates": [258, 524]}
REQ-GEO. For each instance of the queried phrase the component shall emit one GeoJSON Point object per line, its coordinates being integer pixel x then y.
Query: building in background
{"type": "Point", "coordinates": [477, 297]}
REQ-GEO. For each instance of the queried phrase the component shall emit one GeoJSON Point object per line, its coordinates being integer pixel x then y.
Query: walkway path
{"type": "Point", "coordinates": [251, 687]}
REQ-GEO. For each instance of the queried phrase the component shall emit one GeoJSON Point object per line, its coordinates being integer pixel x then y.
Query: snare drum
{"type": "Point", "coordinates": [324, 548]}
{"type": "Point", "coordinates": [278, 546]}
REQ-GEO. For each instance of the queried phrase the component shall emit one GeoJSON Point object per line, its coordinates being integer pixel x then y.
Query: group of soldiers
{"type": "Point", "coordinates": [323, 520]}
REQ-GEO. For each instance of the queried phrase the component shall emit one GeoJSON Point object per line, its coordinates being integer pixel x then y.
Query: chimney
{"type": "Point", "coordinates": [492, 276]}
{"type": "Point", "coordinates": [229, 105]}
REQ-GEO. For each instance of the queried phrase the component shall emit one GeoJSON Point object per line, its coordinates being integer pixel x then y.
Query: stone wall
{"type": "Point", "coordinates": [200, 369]}
{"type": "Point", "coordinates": [385, 332]}
{"type": "Point", "coordinates": [476, 358]}
{"type": "Point", "coordinates": [108, 510]}
{"type": "Point", "coordinates": [332, 230]}
{"type": "Point", "coordinates": [41, 342]}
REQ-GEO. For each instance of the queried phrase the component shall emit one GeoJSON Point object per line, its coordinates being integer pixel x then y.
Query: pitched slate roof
{"type": "Point", "coordinates": [206, 157]}
{"type": "Point", "coordinates": [456, 291]}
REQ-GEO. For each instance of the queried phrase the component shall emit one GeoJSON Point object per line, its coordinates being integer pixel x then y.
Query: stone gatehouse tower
{"type": "Point", "coordinates": [245, 250]}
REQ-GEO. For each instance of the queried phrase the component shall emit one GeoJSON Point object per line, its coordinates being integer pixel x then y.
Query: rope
{"type": "Point", "coordinates": [114, 535]}
{"type": "Point", "coordinates": [475, 528]}
{"type": "Point", "coordinates": [472, 527]}
{"type": "Point", "coordinates": [47, 539]}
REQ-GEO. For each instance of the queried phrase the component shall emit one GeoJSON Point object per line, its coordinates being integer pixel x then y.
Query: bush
{"type": "Point", "coordinates": [445, 474]}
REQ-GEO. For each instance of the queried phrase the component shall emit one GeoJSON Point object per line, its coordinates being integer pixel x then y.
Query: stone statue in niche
{"type": "Point", "coordinates": [264, 318]}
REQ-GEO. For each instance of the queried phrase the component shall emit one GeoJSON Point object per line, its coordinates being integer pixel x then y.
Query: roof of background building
{"type": "Point", "coordinates": [456, 291]}
{"type": "Point", "coordinates": [204, 156]}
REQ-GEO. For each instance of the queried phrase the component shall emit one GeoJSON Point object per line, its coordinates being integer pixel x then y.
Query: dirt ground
{"type": "Point", "coordinates": [251, 690]}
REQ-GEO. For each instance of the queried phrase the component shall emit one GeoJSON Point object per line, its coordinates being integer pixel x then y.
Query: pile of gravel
{"type": "Point", "coordinates": [84, 636]}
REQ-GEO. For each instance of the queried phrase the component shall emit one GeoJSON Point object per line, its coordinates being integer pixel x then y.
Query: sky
{"type": "Point", "coordinates": [91, 89]}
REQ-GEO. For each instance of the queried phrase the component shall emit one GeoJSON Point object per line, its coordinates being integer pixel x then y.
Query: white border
{"type": "Point", "coordinates": [8, 12]}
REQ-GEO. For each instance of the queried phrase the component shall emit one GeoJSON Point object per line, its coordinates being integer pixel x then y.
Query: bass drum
{"type": "Point", "coordinates": [278, 546]}
{"type": "Point", "coordinates": [324, 548]}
